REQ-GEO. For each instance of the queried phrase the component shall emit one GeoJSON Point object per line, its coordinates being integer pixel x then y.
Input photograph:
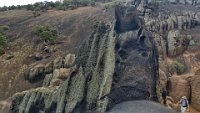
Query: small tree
{"type": "Point", "coordinates": [30, 7]}
{"type": "Point", "coordinates": [19, 7]}
{"type": "Point", "coordinates": [47, 33]}
{"type": "Point", "coordinates": [4, 8]}
{"type": "Point", "coordinates": [3, 41]}
{"type": "Point", "coordinates": [12, 7]}
{"type": "Point", "coordinates": [180, 68]}
{"type": "Point", "coordinates": [36, 12]}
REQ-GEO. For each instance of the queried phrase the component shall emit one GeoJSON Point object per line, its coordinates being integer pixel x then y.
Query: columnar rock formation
{"type": "Point", "coordinates": [128, 58]}
{"type": "Point", "coordinates": [189, 2]}
{"type": "Point", "coordinates": [86, 87]}
{"type": "Point", "coordinates": [118, 62]}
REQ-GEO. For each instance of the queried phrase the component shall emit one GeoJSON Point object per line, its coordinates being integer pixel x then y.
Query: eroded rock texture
{"type": "Point", "coordinates": [136, 59]}
{"type": "Point", "coordinates": [118, 62]}
{"type": "Point", "coordinates": [86, 88]}
{"type": "Point", "coordinates": [195, 83]}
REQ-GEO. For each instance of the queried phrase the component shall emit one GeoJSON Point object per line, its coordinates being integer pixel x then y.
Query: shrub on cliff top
{"type": "Point", "coordinates": [3, 41]}
{"type": "Point", "coordinates": [47, 33]}
{"type": "Point", "coordinates": [180, 68]}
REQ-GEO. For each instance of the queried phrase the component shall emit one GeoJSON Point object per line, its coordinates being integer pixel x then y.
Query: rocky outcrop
{"type": "Point", "coordinates": [118, 62]}
{"type": "Point", "coordinates": [172, 22]}
{"type": "Point", "coordinates": [135, 77]}
{"type": "Point", "coordinates": [57, 77]}
{"type": "Point", "coordinates": [39, 71]}
{"type": "Point", "coordinates": [177, 43]}
{"type": "Point", "coordinates": [87, 86]}
{"type": "Point", "coordinates": [185, 2]}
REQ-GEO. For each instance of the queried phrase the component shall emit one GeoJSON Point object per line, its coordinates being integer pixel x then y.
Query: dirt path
{"type": "Point", "coordinates": [192, 110]}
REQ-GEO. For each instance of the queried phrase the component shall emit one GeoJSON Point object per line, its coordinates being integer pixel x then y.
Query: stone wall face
{"type": "Point", "coordinates": [196, 92]}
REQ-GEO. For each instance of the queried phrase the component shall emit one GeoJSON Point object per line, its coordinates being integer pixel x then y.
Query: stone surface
{"type": "Point", "coordinates": [69, 60]}
{"type": "Point", "coordinates": [135, 75]}
{"type": "Point", "coordinates": [140, 107]}
{"type": "Point", "coordinates": [84, 90]}
{"type": "Point", "coordinates": [119, 62]}
{"type": "Point", "coordinates": [35, 74]}
{"type": "Point", "coordinates": [177, 87]}
{"type": "Point", "coordinates": [195, 84]}
{"type": "Point", "coordinates": [125, 53]}
{"type": "Point", "coordinates": [177, 43]}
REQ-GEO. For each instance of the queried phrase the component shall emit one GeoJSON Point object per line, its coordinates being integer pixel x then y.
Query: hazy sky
{"type": "Point", "coordinates": [19, 2]}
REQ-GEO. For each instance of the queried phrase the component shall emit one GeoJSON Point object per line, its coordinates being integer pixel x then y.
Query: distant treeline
{"type": "Point", "coordinates": [67, 4]}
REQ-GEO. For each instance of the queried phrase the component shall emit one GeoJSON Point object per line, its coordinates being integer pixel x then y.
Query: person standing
{"type": "Point", "coordinates": [184, 104]}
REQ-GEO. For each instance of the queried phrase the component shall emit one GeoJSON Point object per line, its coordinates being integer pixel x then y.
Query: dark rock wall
{"type": "Point", "coordinates": [136, 59]}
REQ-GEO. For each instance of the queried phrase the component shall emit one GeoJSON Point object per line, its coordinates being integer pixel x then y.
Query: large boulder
{"type": "Point", "coordinates": [140, 107]}
{"type": "Point", "coordinates": [35, 73]}
{"type": "Point", "coordinates": [69, 60]}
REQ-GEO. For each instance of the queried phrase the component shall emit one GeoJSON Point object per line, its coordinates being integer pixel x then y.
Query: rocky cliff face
{"type": "Point", "coordinates": [85, 88]}
{"type": "Point", "coordinates": [189, 2]}
{"type": "Point", "coordinates": [175, 28]}
{"type": "Point", "coordinates": [118, 62]}
{"type": "Point", "coordinates": [148, 52]}
{"type": "Point", "coordinates": [136, 57]}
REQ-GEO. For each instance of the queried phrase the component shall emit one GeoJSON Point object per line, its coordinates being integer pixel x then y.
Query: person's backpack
{"type": "Point", "coordinates": [184, 103]}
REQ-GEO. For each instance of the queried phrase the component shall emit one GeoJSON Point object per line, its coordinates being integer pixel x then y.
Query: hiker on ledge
{"type": "Point", "coordinates": [184, 104]}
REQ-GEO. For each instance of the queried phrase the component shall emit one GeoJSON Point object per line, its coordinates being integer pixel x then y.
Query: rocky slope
{"type": "Point", "coordinates": [147, 52]}
{"type": "Point", "coordinates": [28, 51]}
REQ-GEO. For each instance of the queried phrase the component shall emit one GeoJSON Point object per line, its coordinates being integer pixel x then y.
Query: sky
{"type": "Point", "coordinates": [20, 2]}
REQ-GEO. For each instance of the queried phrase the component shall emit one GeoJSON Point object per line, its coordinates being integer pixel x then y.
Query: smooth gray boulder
{"type": "Point", "coordinates": [142, 106]}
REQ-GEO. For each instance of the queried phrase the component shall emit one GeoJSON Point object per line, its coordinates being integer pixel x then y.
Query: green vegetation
{"type": "Point", "coordinates": [72, 4]}
{"type": "Point", "coordinates": [3, 38]}
{"type": "Point", "coordinates": [108, 6]}
{"type": "Point", "coordinates": [180, 68]}
{"type": "Point", "coordinates": [3, 41]}
{"type": "Point", "coordinates": [36, 12]}
{"type": "Point", "coordinates": [43, 6]}
{"type": "Point", "coordinates": [111, 5]}
{"type": "Point", "coordinates": [47, 33]}
{"type": "Point", "coordinates": [4, 8]}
